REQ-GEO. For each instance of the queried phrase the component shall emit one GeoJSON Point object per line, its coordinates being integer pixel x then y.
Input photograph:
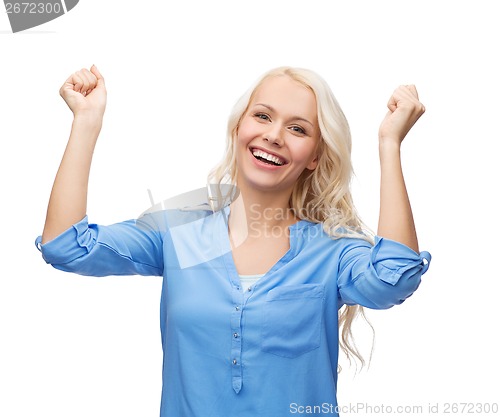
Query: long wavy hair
{"type": "Point", "coordinates": [322, 195]}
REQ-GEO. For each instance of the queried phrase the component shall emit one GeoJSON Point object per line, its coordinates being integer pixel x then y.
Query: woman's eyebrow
{"type": "Point", "coordinates": [273, 110]}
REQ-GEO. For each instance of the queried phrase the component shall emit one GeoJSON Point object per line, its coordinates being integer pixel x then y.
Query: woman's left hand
{"type": "Point", "coordinates": [404, 110]}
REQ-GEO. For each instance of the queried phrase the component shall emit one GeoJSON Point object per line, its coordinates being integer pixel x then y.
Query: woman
{"type": "Point", "coordinates": [252, 292]}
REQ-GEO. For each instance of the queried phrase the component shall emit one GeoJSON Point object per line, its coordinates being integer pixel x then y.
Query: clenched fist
{"type": "Point", "coordinates": [85, 92]}
{"type": "Point", "coordinates": [404, 110]}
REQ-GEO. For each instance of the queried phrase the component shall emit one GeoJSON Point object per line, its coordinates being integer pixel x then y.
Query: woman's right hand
{"type": "Point", "coordinates": [85, 92]}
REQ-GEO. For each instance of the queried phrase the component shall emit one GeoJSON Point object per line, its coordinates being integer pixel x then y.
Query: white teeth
{"type": "Point", "coordinates": [272, 158]}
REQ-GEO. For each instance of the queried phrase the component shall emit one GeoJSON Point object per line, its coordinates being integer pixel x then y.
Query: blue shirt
{"type": "Point", "coordinates": [266, 351]}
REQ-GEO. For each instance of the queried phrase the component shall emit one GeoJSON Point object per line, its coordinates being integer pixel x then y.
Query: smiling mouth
{"type": "Point", "coordinates": [267, 158]}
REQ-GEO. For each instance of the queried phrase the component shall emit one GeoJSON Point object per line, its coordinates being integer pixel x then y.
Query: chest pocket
{"type": "Point", "coordinates": [292, 320]}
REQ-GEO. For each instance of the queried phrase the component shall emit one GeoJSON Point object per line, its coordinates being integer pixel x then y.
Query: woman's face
{"type": "Point", "coordinates": [278, 136]}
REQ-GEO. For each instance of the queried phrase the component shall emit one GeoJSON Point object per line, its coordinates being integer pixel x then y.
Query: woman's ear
{"type": "Point", "coordinates": [237, 128]}
{"type": "Point", "coordinates": [313, 164]}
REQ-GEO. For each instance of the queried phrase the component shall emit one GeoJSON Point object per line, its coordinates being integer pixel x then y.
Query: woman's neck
{"type": "Point", "coordinates": [254, 214]}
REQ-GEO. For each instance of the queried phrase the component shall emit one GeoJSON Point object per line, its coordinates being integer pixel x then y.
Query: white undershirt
{"type": "Point", "coordinates": [248, 280]}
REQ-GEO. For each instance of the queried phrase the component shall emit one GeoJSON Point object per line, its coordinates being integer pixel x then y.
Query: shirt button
{"type": "Point", "coordinates": [249, 289]}
{"type": "Point", "coordinates": [235, 361]}
{"type": "Point", "coordinates": [237, 308]}
{"type": "Point", "coordinates": [235, 335]}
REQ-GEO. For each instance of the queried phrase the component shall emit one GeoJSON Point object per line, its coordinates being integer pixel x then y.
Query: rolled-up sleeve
{"type": "Point", "coordinates": [379, 276]}
{"type": "Point", "coordinates": [120, 249]}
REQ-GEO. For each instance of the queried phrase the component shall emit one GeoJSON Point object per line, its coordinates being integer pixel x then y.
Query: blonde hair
{"type": "Point", "coordinates": [321, 195]}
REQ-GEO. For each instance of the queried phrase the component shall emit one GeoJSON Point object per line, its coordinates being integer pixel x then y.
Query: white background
{"type": "Point", "coordinates": [79, 346]}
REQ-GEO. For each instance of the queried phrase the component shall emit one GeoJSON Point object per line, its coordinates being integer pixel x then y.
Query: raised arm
{"type": "Point", "coordinates": [85, 94]}
{"type": "Point", "coordinates": [396, 218]}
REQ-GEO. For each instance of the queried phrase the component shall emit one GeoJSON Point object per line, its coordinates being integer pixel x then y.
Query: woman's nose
{"type": "Point", "coordinates": [274, 136]}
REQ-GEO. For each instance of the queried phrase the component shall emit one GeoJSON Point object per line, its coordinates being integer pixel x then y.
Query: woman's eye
{"type": "Point", "coordinates": [261, 116]}
{"type": "Point", "coordinates": [298, 129]}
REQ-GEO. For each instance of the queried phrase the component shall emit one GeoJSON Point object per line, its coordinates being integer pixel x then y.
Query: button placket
{"type": "Point", "coordinates": [236, 370]}
{"type": "Point", "coordinates": [240, 298]}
